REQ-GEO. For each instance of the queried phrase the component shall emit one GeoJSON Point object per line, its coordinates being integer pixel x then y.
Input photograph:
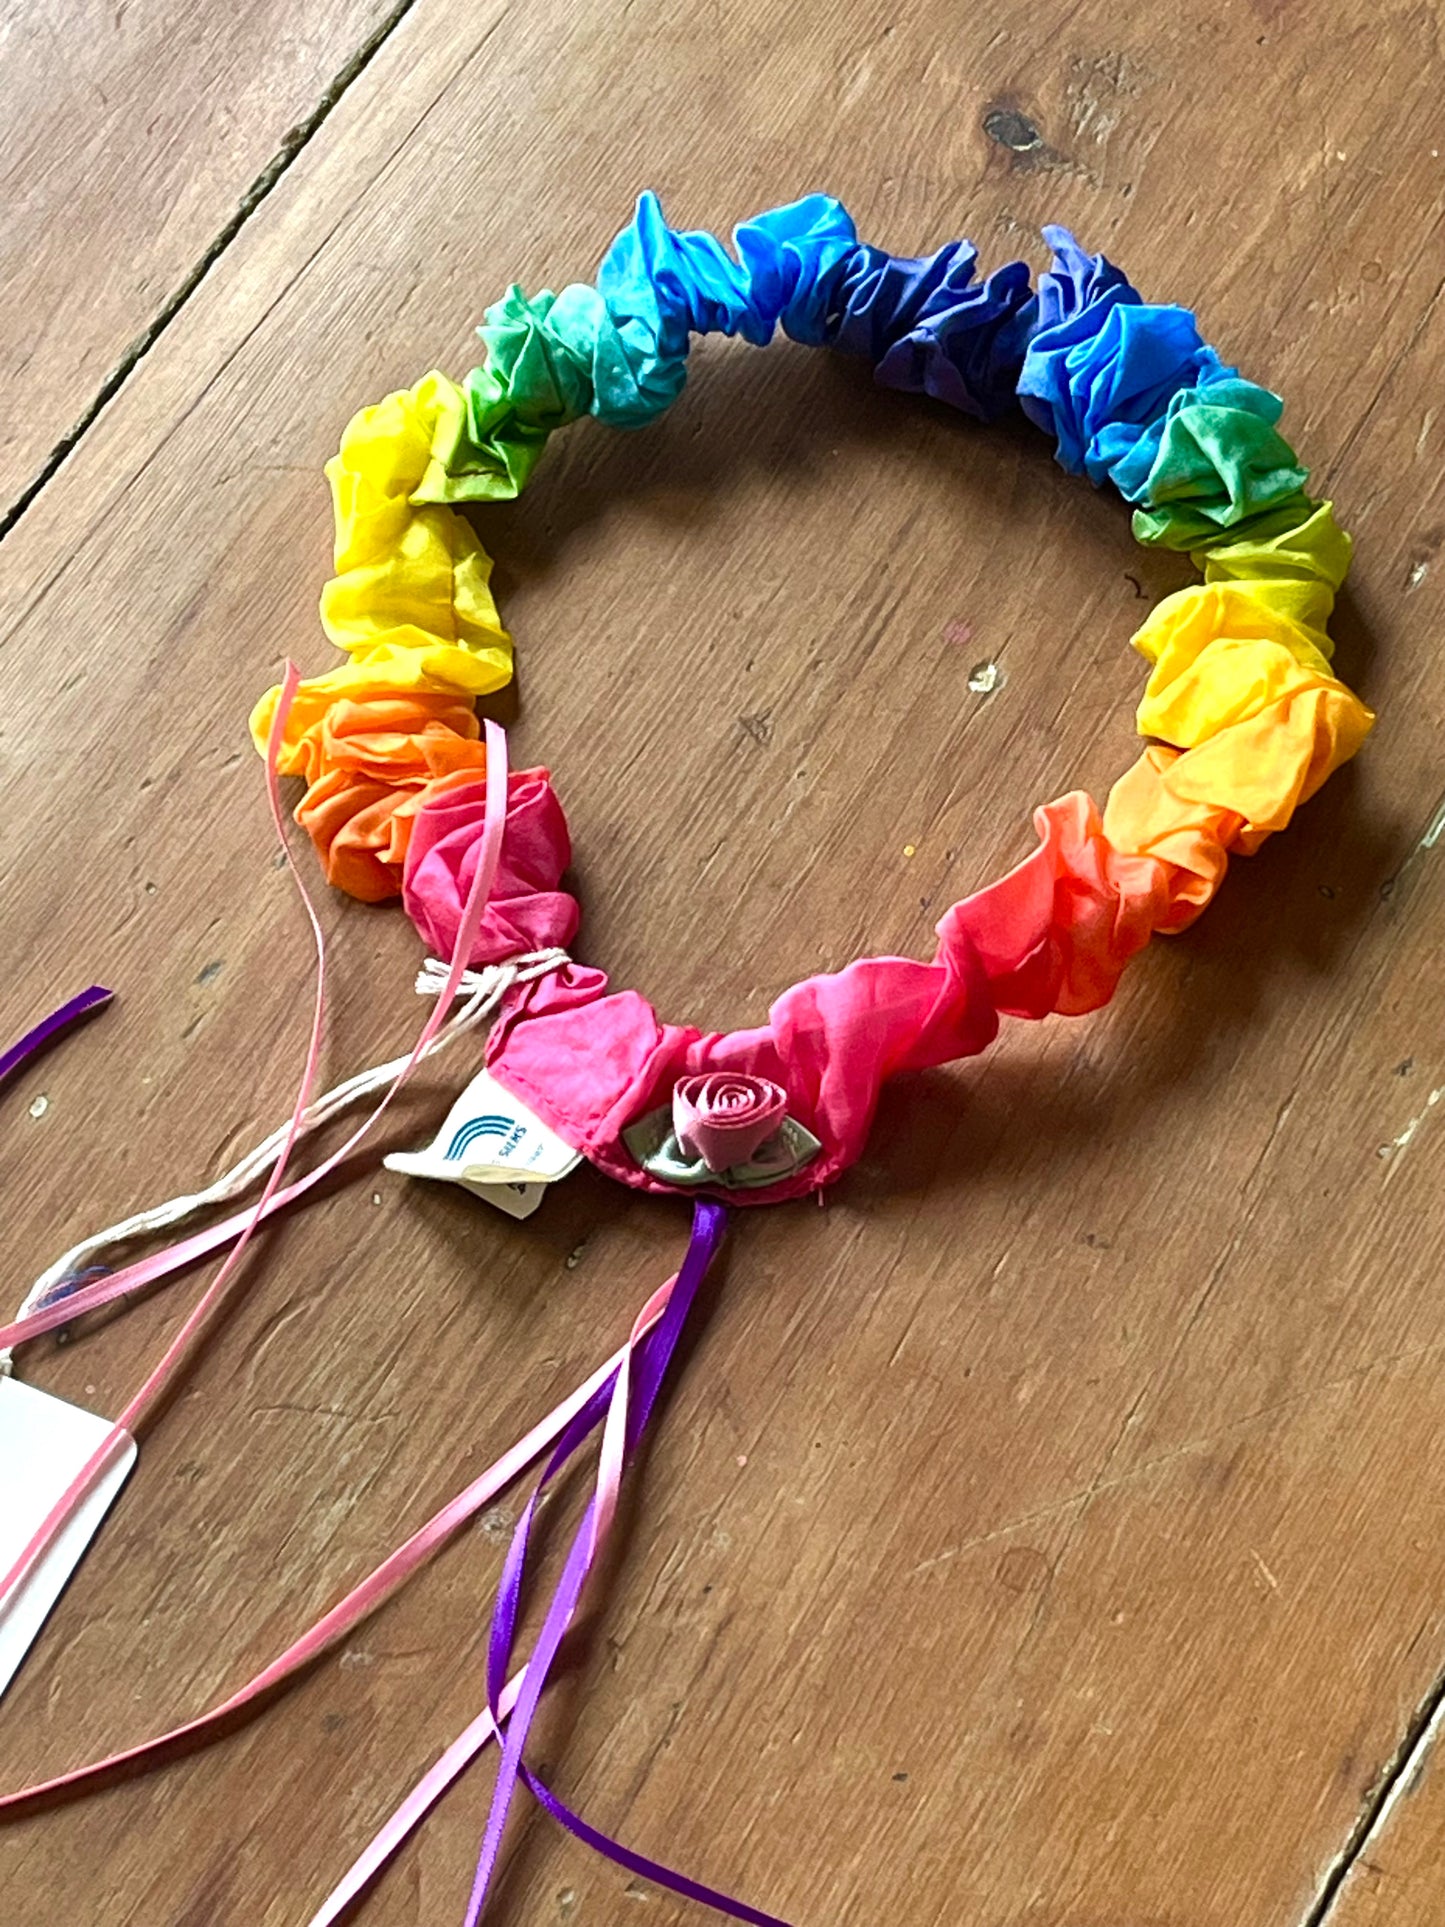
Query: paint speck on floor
{"type": "Point", "coordinates": [1397, 1146]}
{"type": "Point", "coordinates": [40, 1106]}
{"type": "Point", "coordinates": [984, 678]}
{"type": "Point", "coordinates": [1436, 830]}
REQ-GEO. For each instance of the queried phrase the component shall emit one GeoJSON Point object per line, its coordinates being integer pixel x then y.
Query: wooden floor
{"type": "Point", "coordinates": [1047, 1533]}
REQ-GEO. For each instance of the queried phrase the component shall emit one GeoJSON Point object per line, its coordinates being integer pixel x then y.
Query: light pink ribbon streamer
{"type": "Point", "coordinates": [484, 1729]}
{"type": "Point", "coordinates": [414, 1809]}
{"type": "Point", "coordinates": [361, 1601]}
{"type": "Point", "coordinates": [271, 1197]}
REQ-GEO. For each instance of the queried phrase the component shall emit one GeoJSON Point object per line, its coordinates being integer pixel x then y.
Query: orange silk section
{"type": "Point", "coordinates": [369, 766]}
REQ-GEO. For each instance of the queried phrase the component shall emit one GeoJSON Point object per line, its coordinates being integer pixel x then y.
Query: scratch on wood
{"type": "Point", "coordinates": [1264, 1571]}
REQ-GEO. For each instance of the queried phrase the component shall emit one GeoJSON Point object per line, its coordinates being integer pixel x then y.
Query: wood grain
{"type": "Point", "coordinates": [134, 133]}
{"type": "Point", "coordinates": [1043, 1533]}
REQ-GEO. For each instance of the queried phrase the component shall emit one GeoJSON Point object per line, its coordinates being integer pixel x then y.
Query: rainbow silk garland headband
{"type": "Point", "coordinates": [408, 795]}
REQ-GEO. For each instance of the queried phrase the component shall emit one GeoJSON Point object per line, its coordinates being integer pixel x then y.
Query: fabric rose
{"type": "Point", "coordinates": [526, 910]}
{"type": "Point", "coordinates": [723, 1117]}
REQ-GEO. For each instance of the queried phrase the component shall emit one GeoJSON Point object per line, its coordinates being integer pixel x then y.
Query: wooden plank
{"type": "Point", "coordinates": [136, 135]}
{"type": "Point", "coordinates": [1044, 1531]}
{"type": "Point", "coordinates": [1394, 1869]}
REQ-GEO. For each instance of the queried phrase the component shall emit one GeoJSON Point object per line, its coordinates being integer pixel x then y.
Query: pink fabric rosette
{"type": "Point", "coordinates": [526, 911]}
{"type": "Point", "coordinates": [723, 1117]}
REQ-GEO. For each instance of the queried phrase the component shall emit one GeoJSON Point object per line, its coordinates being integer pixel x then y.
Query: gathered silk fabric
{"type": "Point", "coordinates": [1243, 713]}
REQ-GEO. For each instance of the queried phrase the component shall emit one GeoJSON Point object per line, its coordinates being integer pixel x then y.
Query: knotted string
{"type": "Point", "coordinates": [483, 990]}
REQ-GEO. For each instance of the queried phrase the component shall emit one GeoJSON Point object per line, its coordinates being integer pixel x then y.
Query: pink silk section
{"type": "Point", "coordinates": [526, 911]}
{"type": "Point", "coordinates": [1051, 936]}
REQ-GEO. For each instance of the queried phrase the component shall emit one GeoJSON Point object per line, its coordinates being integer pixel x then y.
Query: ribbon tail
{"type": "Point", "coordinates": [52, 1028]}
{"type": "Point", "coordinates": [629, 1411]}
{"type": "Point", "coordinates": [363, 1599]}
{"type": "Point", "coordinates": [250, 1220]}
{"type": "Point", "coordinates": [621, 1397]}
{"type": "Point", "coordinates": [639, 1864]}
{"type": "Point", "coordinates": [413, 1810]}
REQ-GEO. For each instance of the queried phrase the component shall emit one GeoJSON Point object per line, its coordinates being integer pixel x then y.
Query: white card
{"type": "Point", "coordinates": [43, 1444]}
{"type": "Point", "coordinates": [495, 1147]}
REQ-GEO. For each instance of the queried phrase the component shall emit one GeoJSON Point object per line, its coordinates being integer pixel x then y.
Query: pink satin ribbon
{"type": "Point", "coordinates": [488, 1724]}
{"type": "Point", "coordinates": [614, 1379]}
{"type": "Point", "coordinates": [272, 1197]}
{"type": "Point", "coordinates": [611, 1393]}
{"type": "Point", "coordinates": [362, 1600]}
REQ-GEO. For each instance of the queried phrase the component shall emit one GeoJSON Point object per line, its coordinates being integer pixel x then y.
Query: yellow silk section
{"type": "Point", "coordinates": [410, 602]}
{"type": "Point", "coordinates": [1293, 563]}
{"type": "Point", "coordinates": [1250, 718]}
{"type": "Point", "coordinates": [1251, 696]}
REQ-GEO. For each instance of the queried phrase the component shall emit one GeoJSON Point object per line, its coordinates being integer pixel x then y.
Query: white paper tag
{"type": "Point", "coordinates": [43, 1444]}
{"type": "Point", "coordinates": [493, 1146]}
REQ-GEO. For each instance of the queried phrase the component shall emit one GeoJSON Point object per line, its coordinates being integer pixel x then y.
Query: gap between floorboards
{"type": "Point", "coordinates": [1393, 1785]}
{"type": "Point", "coordinates": [273, 172]}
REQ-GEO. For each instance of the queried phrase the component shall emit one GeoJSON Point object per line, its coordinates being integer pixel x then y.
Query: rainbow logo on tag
{"type": "Point", "coordinates": [508, 1129]}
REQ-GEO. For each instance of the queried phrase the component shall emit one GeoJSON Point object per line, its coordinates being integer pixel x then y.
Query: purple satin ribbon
{"type": "Point", "coordinates": [50, 1028]}
{"type": "Point", "coordinates": [654, 1355]}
